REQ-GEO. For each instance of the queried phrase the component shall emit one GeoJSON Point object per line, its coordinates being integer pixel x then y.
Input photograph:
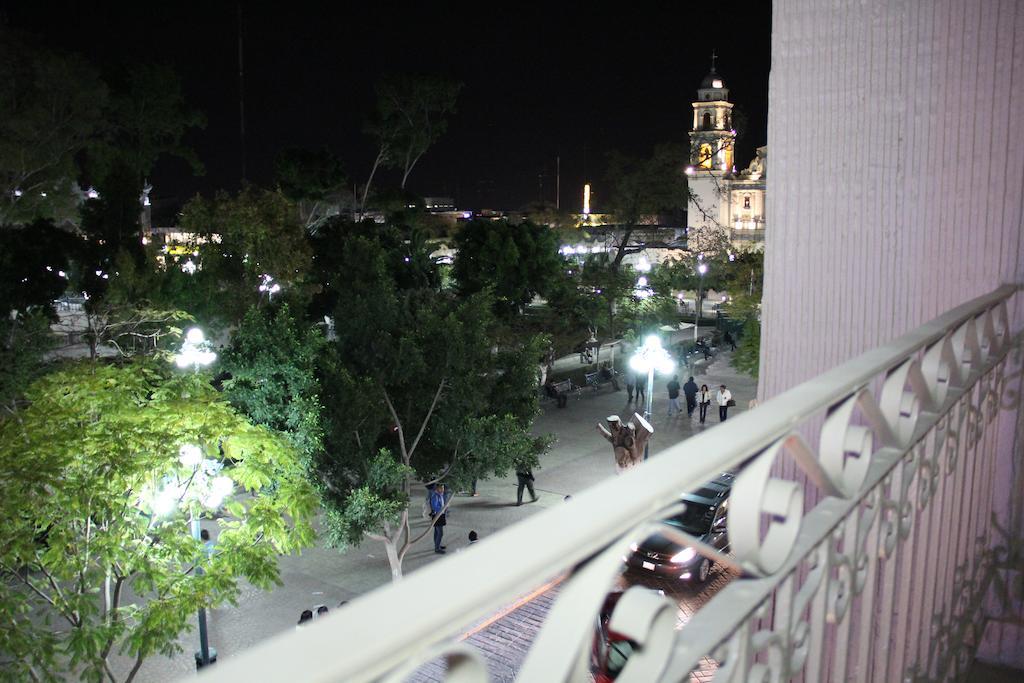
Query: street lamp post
{"type": "Point", "coordinates": [648, 358]}
{"type": "Point", "coordinates": [701, 268]}
{"type": "Point", "coordinates": [271, 288]}
{"type": "Point", "coordinates": [195, 352]}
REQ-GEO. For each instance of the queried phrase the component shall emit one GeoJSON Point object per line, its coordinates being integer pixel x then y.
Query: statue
{"type": "Point", "coordinates": [628, 440]}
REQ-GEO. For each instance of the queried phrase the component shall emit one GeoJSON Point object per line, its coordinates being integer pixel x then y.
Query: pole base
{"type": "Point", "coordinates": [199, 658]}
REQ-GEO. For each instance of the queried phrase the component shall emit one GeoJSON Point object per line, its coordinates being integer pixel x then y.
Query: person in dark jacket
{"type": "Point", "coordinates": [525, 477]}
{"type": "Point", "coordinates": [728, 339]}
{"type": "Point", "coordinates": [690, 389]}
{"type": "Point", "coordinates": [673, 397]}
{"type": "Point", "coordinates": [437, 513]}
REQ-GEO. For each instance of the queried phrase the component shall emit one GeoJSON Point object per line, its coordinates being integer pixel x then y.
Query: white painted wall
{"type": "Point", "coordinates": [897, 136]}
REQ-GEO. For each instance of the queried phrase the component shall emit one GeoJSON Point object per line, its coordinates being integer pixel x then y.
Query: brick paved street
{"type": "Point", "coordinates": [578, 459]}
{"type": "Point", "coordinates": [504, 641]}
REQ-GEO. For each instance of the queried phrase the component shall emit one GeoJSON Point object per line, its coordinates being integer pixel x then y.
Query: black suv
{"type": "Point", "coordinates": [704, 518]}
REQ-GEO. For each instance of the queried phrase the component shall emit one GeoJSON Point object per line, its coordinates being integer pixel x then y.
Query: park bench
{"type": "Point", "coordinates": [595, 380]}
{"type": "Point", "coordinates": [559, 391]}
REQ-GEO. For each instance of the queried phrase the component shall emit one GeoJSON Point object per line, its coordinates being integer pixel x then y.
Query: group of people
{"type": "Point", "coordinates": [698, 399]}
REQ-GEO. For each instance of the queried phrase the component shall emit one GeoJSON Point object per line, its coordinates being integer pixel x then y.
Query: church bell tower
{"type": "Point", "coordinates": [712, 143]}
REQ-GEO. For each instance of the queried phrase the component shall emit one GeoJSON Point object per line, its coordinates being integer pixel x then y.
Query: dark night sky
{"type": "Point", "coordinates": [539, 82]}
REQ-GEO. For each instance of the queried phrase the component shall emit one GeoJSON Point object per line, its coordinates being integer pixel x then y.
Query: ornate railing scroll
{"type": "Point", "coordinates": [880, 580]}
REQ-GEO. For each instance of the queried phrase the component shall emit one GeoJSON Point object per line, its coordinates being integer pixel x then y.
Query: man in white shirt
{"type": "Point", "coordinates": [723, 397]}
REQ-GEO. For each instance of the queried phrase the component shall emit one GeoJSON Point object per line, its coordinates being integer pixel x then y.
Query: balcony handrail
{"type": "Point", "coordinates": [397, 627]}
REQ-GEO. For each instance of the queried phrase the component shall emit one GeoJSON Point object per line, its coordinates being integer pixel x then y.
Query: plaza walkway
{"type": "Point", "coordinates": [578, 459]}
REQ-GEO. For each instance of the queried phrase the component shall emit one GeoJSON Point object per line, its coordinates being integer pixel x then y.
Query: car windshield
{"type": "Point", "coordinates": [696, 519]}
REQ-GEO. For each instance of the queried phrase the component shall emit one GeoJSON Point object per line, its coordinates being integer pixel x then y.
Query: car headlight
{"type": "Point", "coordinates": [634, 547]}
{"type": "Point", "coordinates": [686, 555]}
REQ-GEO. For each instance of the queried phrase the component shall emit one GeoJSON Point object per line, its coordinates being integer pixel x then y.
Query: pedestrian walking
{"type": "Point", "coordinates": [525, 477]}
{"type": "Point", "coordinates": [729, 340]}
{"type": "Point", "coordinates": [690, 390]}
{"type": "Point", "coordinates": [724, 400]}
{"type": "Point", "coordinates": [673, 397]}
{"type": "Point", "coordinates": [704, 400]}
{"type": "Point", "coordinates": [438, 514]}
{"type": "Point", "coordinates": [630, 384]}
{"type": "Point", "coordinates": [641, 386]}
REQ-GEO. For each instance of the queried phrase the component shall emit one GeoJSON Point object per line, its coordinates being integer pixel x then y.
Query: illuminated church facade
{"type": "Point", "coordinates": [720, 197]}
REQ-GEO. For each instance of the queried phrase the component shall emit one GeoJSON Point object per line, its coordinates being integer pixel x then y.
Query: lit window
{"type": "Point", "coordinates": [706, 156]}
{"type": "Point", "coordinates": [716, 83]}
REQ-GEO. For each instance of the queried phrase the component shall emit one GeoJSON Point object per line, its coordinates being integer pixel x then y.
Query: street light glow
{"type": "Point", "coordinates": [652, 356]}
{"type": "Point", "coordinates": [702, 268]}
{"type": "Point", "coordinates": [194, 351]}
{"type": "Point", "coordinates": [190, 455]}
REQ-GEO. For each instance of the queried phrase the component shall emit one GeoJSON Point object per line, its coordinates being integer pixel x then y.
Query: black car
{"type": "Point", "coordinates": [703, 518]}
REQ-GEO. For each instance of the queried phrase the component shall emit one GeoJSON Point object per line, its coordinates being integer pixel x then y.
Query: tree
{"type": "Point", "coordinates": [246, 237]}
{"type": "Point", "coordinates": [91, 474]}
{"type": "Point", "coordinates": [516, 261]}
{"type": "Point", "coordinates": [314, 180]}
{"type": "Point", "coordinates": [272, 368]}
{"type": "Point", "coordinates": [644, 187]}
{"type": "Point", "coordinates": [34, 266]}
{"type": "Point", "coordinates": [25, 338]}
{"type": "Point", "coordinates": [149, 119]}
{"type": "Point", "coordinates": [746, 309]}
{"type": "Point", "coordinates": [414, 392]}
{"type": "Point", "coordinates": [411, 116]}
{"type": "Point", "coordinates": [51, 107]}
{"type": "Point", "coordinates": [112, 228]}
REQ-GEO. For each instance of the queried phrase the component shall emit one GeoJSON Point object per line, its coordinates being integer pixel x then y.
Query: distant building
{"type": "Point", "coordinates": [438, 204]}
{"type": "Point", "coordinates": [719, 196]}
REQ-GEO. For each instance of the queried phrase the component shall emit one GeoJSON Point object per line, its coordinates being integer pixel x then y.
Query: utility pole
{"type": "Point", "coordinates": [241, 91]}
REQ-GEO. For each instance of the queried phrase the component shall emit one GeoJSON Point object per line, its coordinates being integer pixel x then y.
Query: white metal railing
{"type": "Point", "coordinates": [880, 580]}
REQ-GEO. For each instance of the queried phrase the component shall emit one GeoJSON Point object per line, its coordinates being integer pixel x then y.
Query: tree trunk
{"type": "Point", "coordinates": [393, 559]}
{"type": "Point", "coordinates": [408, 170]}
{"type": "Point", "coordinates": [617, 261]}
{"type": "Point", "coordinates": [369, 181]}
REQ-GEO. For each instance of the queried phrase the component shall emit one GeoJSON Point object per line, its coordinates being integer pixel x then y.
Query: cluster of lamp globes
{"type": "Point", "coordinates": [205, 483]}
{"type": "Point", "coordinates": [195, 351]}
{"type": "Point", "coordinates": [652, 356]}
{"type": "Point", "coordinates": [270, 288]}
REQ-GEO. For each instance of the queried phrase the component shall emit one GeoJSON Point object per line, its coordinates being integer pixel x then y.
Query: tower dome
{"type": "Point", "coordinates": [712, 80]}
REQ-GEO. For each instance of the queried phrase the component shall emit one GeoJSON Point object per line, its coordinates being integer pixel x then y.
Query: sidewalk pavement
{"type": "Point", "coordinates": [579, 458]}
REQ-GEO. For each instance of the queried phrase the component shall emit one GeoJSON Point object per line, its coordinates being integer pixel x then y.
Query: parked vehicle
{"type": "Point", "coordinates": [611, 650]}
{"type": "Point", "coordinates": [704, 518]}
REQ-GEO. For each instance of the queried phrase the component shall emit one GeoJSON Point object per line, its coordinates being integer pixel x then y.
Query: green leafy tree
{"type": "Point", "coordinates": [149, 119]}
{"type": "Point", "coordinates": [272, 364]}
{"type": "Point", "coordinates": [124, 319]}
{"type": "Point", "coordinates": [112, 228]}
{"type": "Point", "coordinates": [51, 107]}
{"type": "Point", "coordinates": [95, 548]}
{"type": "Point", "coordinates": [247, 236]}
{"type": "Point", "coordinates": [746, 309]}
{"type": "Point", "coordinates": [25, 338]}
{"type": "Point", "coordinates": [414, 392]}
{"type": "Point", "coordinates": [516, 262]}
{"type": "Point", "coordinates": [34, 266]}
